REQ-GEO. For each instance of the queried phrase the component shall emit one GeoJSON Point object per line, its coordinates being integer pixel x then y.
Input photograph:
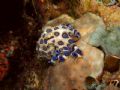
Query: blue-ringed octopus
{"type": "Point", "coordinates": [58, 42]}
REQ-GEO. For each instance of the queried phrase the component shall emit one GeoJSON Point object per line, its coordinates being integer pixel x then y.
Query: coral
{"type": "Point", "coordinates": [59, 42]}
{"type": "Point", "coordinates": [4, 66]}
{"type": "Point", "coordinates": [107, 2]}
{"type": "Point", "coordinates": [31, 80]}
{"type": "Point", "coordinates": [5, 53]}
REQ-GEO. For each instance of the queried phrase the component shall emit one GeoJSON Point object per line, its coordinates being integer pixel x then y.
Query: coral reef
{"type": "Point", "coordinates": [95, 28]}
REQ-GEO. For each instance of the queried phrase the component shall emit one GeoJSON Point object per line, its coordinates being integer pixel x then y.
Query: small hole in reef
{"type": "Point", "coordinates": [74, 89]}
{"type": "Point", "coordinates": [55, 1]}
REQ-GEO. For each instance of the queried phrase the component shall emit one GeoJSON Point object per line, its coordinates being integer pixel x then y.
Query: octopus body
{"type": "Point", "coordinates": [59, 42]}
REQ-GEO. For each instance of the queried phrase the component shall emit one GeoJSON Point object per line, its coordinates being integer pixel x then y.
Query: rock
{"type": "Point", "coordinates": [92, 29]}
{"type": "Point", "coordinates": [72, 73]}
{"type": "Point", "coordinates": [108, 40]}
{"type": "Point", "coordinates": [69, 75]}
{"type": "Point", "coordinates": [61, 19]}
{"type": "Point", "coordinates": [111, 42]}
{"type": "Point", "coordinates": [89, 24]}
{"type": "Point", "coordinates": [91, 83]}
{"type": "Point", "coordinates": [112, 63]}
{"type": "Point", "coordinates": [93, 56]}
{"type": "Point", "coordinates": [112, 87]}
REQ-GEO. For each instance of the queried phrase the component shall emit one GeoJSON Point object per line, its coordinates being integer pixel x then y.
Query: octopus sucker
{"type": "Point", "coordinates": [59, 42]}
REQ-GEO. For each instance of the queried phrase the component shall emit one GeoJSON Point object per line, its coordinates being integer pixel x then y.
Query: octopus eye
{"type": "Point", "coordinates": [60, 43]}
{"type": "Point", "coordinates": [56, 28]}
{"type": "Point", "coordinates": [41, 41]}
{"type": "Point", "coordinates": [74, 54]}
{"type": "Point", "coordinates": [65, 35]}
{"type": "Point", "coordinates": [49, 30]}
{"type": "Point", "coordinates": [56, 33]}
{"type": "Point", "coordinates": [61, 58]}
{"type": "Point", "coordinates": [71, 41]}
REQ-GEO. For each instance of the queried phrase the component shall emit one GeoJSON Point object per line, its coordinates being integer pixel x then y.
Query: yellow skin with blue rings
{"type": "Point", "coordinates": [59, 42]}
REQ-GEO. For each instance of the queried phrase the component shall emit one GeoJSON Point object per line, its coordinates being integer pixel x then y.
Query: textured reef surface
{"type": "Point", "coordinates": [61, 45]}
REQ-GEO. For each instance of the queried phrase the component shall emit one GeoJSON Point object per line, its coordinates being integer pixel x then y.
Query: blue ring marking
{"type": "Point", "coordinates": [69, 25]}
{"type": "Point", "coordinates": [45, 41]}
{"type": "Point", "coordinates": [54, 58]}
{"type": "Point", "coordinates": [65, 35]}
{"type": "Point", "coordinates": [66, 53]}
{"type": "Point", "coordinates": [78, 34]}
{"type": "Point", "coordinates": [75, 31]}
{"type": "Point", "coordinates": [60, 43]}
{"type": "Point", "coordinates": [41, 41]}
{"type": "Point", "coordinates": [71, 41]}
{"type": "Point", "coordinates": [61, 58]}
{"type": "Point", "coordinates": [74, 54]}
{"type": "Point", "coordinates": [57, 52]}
{"type": "Point", "coordinates": [65, 48]}
{"type": "Point", "coordinates": [79, 52]}
{"type": "Point", "coordinates": [49, 30]}
{"type": "Point", "coordinates": [56, 33]}
{"type": "Point", "coordinates": [70, 47]}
